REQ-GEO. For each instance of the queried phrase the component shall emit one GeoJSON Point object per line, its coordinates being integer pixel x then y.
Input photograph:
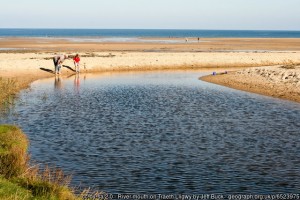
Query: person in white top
{"type": "Point", "coordinates": [58, 60]}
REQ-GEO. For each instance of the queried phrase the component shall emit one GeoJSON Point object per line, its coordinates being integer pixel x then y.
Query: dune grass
{"type": "Point", "coordinates": [13, 151]}
{"type": "Point", "coordinates": [9, 190]}
{"type": "Point", "coordinates": [8, 88]}
{"type": "Point", "coordinates": [19, 180]}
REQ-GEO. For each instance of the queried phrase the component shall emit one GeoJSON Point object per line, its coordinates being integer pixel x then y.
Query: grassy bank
{"type": "Point", "coordinates": [8, 88]}
{"type": "Point", "coordinates": [20, 180]}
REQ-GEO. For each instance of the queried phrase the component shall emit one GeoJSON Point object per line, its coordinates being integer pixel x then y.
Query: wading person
{"type": "Point", "coordinates": [58, 60]}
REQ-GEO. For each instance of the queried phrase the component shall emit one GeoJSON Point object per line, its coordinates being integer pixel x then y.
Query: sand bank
{"type": "Point", "coordinates": [26, 65]}
{"type": "Point", "coordinates": [281, 81]}
{"type": "Point", "coordinates": [35, 61]}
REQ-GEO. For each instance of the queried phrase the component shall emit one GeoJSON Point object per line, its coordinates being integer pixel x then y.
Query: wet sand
{"type": "Point", "coordinates": [281, 81]}
{"type": "Point", "coordinates": [28, 59]}
{"type": "Point", "coordinates": [154, 44]}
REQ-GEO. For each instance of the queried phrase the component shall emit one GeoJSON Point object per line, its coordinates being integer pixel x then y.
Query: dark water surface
{"type": "Point", "coordinates": [162, 132]}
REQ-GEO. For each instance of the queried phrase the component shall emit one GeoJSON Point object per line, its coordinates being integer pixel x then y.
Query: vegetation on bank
{"type": "Point", "coordinates": [8, 88]}
{"type": "Point", "coordinates": [20, 180]}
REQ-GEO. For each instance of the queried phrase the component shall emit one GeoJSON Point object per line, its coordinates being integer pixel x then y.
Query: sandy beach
{"type": "Point", "coordinates": [29, 59]}
{"type": "Point", "coordinates": [150, 44]}
{"type": "Point", "coordinates": [282, 81]}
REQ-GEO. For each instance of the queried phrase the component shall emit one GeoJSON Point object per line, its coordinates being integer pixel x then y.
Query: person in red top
{"type": "Point", "coordinates": [76, 60]}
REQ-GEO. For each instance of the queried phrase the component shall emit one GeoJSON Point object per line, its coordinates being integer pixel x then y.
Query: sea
{"type": "Point", "coordinates": [153, 33]}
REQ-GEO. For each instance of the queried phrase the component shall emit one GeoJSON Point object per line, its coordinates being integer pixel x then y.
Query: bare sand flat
{"type": "Point", "coordinates": [35, 61]}
{"type": "Point", "coordinates": [205, 44]}
{"type": "Point", "coordinates": [281, 81]}
{"type": "Point", "coordinates": [27, 64]}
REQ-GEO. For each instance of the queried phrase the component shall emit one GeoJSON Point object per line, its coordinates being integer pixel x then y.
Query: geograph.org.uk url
{"type": "Point", "coordinates": [263, 197]}
{"type": "Point", "coordinates": [119, 196]}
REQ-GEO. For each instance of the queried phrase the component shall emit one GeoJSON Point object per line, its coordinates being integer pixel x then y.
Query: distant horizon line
{"type": "Point", "coordinates": [155, 29]}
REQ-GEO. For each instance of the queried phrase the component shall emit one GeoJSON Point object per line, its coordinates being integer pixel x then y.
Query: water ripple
{"type": "Point", "coordinates": [167, 133]}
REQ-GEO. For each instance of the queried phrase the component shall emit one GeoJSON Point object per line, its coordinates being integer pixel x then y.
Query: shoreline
{"type": "Point", "coordinates": [30, 59]}
{"type": "Point", "coordinates": [281, 82]}
{"type": "Point", "coordinates": [31, 65]}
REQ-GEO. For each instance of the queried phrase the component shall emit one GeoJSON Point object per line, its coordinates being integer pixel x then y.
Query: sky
{"type": "Point", "coordinates": [152, 14]}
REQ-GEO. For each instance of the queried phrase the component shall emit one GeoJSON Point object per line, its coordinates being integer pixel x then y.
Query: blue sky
{"type": "Point", "coordinates": [152, 14]}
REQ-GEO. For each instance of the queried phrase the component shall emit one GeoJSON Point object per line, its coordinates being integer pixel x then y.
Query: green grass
{"type": "Point", "coordinates": [13, 151]}
{"type": "Point", "coordinates": [8, 88]}
{"type": "Point", "coordinates": [19, 180]}
{"type": "Point", "coordinates": [9, 190]}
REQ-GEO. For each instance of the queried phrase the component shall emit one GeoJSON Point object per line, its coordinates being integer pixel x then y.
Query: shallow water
{"type": "Point", "coordinates": [162, 132]}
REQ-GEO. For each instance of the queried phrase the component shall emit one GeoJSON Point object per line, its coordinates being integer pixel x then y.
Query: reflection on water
{"type": "Point", "coordinates": [77, 82]}
{"type": "Point", "coordinates": [58, 82]}
{"type": "Point", "coordinates": [162, 132]}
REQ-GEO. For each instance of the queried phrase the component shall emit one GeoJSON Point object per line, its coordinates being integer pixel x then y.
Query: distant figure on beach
{"type": "Point", "coordinates": [186, 40]}
{"type": "Point", "coordinates": [58, 60]}
{"type": "Point", "coordinates": [76, 60]}
{"type": "Point", "coordinates": [198, 39]}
